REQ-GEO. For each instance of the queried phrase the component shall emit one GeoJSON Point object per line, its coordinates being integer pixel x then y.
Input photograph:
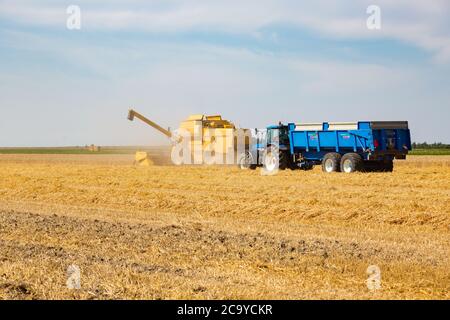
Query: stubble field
{"type": "Point", "coordinates": [167, 232]}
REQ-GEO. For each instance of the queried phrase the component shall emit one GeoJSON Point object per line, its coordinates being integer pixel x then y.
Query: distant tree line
{"type": "Point", "coordinates": [436, 145]}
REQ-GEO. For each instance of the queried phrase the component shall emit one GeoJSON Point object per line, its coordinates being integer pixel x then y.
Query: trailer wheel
{"type": "Point", "coordinates": [331, 162]}
{"type": "Point", "coordinates": [351, 162]}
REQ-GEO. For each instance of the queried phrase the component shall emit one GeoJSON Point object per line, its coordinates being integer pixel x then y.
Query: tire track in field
{"type": "Point", "coordinates": [104, 236]}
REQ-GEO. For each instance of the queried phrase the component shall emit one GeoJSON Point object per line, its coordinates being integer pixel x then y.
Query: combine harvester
{"type": "Point", "coordinates": [339, 147]}
{"type": "Point", "coordinates": [206, 133]}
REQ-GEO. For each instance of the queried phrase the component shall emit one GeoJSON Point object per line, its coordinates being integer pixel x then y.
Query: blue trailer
{"type": "Point", "coordinates": [337, 146]}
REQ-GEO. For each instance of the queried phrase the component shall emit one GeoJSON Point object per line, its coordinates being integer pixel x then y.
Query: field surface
{"type": "Point", "coordinates": [167, 232]}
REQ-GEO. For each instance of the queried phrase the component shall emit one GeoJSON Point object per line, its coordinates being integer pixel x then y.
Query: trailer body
{"type": "Point", "coordinates": [374, 140]}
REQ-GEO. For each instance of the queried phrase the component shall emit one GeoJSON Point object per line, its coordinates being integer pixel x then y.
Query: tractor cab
{"type": "Point", "coordinates": [278, 135]}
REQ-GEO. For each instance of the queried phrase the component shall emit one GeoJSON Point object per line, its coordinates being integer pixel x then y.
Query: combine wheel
{"type": "Point", "coordinates": [245, 161]}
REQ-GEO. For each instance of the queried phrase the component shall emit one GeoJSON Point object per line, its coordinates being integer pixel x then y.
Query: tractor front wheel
{"type": "Point", "coordinates": [275, 159]}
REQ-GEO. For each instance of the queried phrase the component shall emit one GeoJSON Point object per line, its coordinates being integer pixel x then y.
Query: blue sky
{"type": "Point", "coordinates": [254, 62]}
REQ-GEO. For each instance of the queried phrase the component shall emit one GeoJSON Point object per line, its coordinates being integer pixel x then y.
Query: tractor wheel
{"type": "Point", "coordinates": [274, 159]}
{"type": "Point", "coordinates": [331, 162]}
{"type": "Point", "coordinates": [373, 166]}
{"type": "Point", "coordinates": [351, 162]}
{"type": "Point", "coordinates": [271, 161]}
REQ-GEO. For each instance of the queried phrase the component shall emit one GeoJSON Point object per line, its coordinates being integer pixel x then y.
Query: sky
{"type": "Point", "coordinates": [255, 62]}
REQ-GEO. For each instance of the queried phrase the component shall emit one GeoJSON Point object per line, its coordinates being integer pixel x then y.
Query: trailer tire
{"type": "Point", "coordinates": [331, 162]}
{"type": "Point", "coordinates": [351, 162]}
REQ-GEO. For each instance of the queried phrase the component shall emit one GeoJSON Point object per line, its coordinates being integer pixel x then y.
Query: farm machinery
{"type": "Point", "coordinates": [369, 146]}
{"type": "Point", "coordinates": [338, 147]}
{"type": "Point", "coordinates": [200, 133]}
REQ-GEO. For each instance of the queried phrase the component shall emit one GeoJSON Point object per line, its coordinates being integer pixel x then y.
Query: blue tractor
{"type": "Point", "coordinates": [369, 146]}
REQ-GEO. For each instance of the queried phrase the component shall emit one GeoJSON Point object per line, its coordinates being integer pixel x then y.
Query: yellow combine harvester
{"type": "Point", "coordinates": [205, 132]}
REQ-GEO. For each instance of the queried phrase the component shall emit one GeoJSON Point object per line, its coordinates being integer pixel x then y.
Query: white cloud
{"type": "Point", "coordinates": [422, 23]}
